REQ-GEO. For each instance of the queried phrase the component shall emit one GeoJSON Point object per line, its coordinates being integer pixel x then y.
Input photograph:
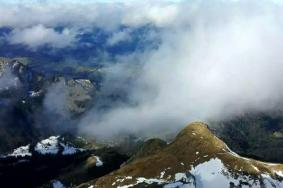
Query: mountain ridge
{"type": "Point", "coordinates": [174, 165]}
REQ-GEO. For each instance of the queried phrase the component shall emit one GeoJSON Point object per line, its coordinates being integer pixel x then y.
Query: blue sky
{"type": "Point", "coordinates": [101, 1]}
{"type": "Point", "coordinates": [76, 1]}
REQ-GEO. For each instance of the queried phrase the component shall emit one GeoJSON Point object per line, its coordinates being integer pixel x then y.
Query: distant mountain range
{"type": "Point", "coordinates": [195, 158]}
{"type": "Point", "coordinates": [24, 102]}
{"type": "Point", "coordinates": [89, 49]}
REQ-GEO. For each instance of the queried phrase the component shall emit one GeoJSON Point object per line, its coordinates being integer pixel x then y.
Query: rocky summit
{"type": "Point", "coordinates": [196, 158]}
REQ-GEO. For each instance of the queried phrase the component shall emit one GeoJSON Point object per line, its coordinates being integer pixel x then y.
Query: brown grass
{"type": "Point", "coordinates": [193, 145]}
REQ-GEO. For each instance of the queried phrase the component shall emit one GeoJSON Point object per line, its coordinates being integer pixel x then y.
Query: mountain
{"type": "Point", "coordinates": [196, 158]}
{"type": "Point", "coordinates": [257, 135]}
{"type": "Point", "coordinates": [27, 101]}
{"type": "Point", "coordinates": [57, 159]}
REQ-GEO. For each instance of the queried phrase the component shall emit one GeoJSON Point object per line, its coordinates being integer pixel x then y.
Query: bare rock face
{"type": "Point", "coordinates": [196, 158]}
{"type": "Point", "coordinates": [16, 80]}
{"type": "Point", "coordinates": [80, 94]}
{"type": "Point", "coordinates": [16, 71]}
{"type": "Point", "coordinates": [16, 75]}
{"type": "Point", "coordinates": [69, 97]}
{"type": "Point", "coordinates": [27, 98]}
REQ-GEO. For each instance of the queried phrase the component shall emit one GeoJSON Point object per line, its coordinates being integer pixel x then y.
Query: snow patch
{"type": "Point", "coordinates": [126, 186]}
{"type": "Point", "coordinates": [140, 180]}
{"type": "Point", "coordinates": [150, 181]}
{"type": "Point", "coordinates": [255, 168]}
{"type": "Point", "coordinates": [178, 185]}
{"type": "Point", "coordinates": [214, 174]}
{"type": "Point", "coordinates": [48, 146]}
{"type": "Point", "coordinates": [35, 93]}
{"type": "Point", "coordinates": [181, 177]}
{"type": "Point", "coordinates": [279, 173]}
{"type": "Point", "coordinates": [22, 151]}
{"type": "Point", "coordinates": [162, 174]}
{"type": "Point", "coordinates": [57, 184]}
{"type": "Point", "coordinates": [70, 150]}
{"type": "Point", "coordinates": [98, 161]}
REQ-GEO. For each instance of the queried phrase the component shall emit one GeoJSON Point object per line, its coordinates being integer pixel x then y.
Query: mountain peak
{"type": "Point", "coordinates": [195, 127]}
{"type": "Point", "coordinates": [195, 150]}
{"type": "Point", "coordinates": [197, 139]}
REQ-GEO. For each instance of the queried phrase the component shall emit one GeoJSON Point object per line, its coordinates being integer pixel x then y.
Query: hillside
{"type": "Point", "coordinates": [57, 159]}
{"type": "Point", "coordinates": [196, 158]}
{"type": "Point", "coordinates": [258, 135]}
{"type": "Point", "coordinates": [26, 99]}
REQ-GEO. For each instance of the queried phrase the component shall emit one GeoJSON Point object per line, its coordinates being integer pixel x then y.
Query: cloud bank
{"type": "Point", "coordinates": [215, 60]}
{"type": "Point", "coordinates": [36, 24]}
{"type": "Point", "coordinates": [8, 80]}
{"type": "Point", "coordinates": [38, 36]}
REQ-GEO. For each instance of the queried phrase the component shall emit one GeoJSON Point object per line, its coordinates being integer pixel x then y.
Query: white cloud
{"type": "Point", "coordinates": [216, 59]}
{"type": "Point", "coordinates": [34, 24]}
{"type": "Point", "coordinates": [92, 14]}
{"type": "Point", "coordinates": [55, 99]}
{"type": "Point", "coordinates": [158, 14]}
{"type": "Point", "coordinates": [219, 60]}
{"type": "Point", "coordinates": [39, 35]}
{"type": "Point", "coordinates": [120, 36]}
{"type": "Point", "coordinates": [8, 80]}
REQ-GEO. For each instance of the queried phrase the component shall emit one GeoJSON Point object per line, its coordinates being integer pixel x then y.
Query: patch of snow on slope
{"type": "Point", "coordinates": [22, 151]}
{"type": "Point", "coordinates": [126, 186]}
{"type": "Point", "coordinates": [209, 174]}
{"type": "Point", "coordinates": [255, 168]}
{"type": "Point", "coordinates": [270, 182]}
{"type": "Point", "coordinates": [279, 173]}
{"type": "Point", "coordinates": [162, 174]}
{"type": "Point", "coordinates": [35, 93]}
{"type": "Point", "coordinates": [69, 150]}
{"type": "Point", "coordinates": [178, 185]}
{"type": "Point", "coordinates": [150, 181]}
{"type": "Point", "coordinates": [181, 177]}
{"type": "Point", "coordinates": [98, 161]}
{"type": "Point", "coordinates": [141, 180]}
{"type": "Point", "coordinates": [57, 184]}
{"type": "Point", "coordinates": [214, 174]}
{"type": "Point", "coordinates": [48, 146]}
{"type": "Point", "coordinates": [182, 180]}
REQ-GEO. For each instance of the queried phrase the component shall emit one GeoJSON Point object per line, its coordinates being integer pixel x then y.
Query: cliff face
{"type": "Point", "coordinates": [196, 158]}
{"type": "Point", "coordinates": [25, 96]}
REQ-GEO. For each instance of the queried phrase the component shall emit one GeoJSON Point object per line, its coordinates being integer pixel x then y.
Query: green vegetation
{"type": "Point", "coordinates": [255, 135]}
